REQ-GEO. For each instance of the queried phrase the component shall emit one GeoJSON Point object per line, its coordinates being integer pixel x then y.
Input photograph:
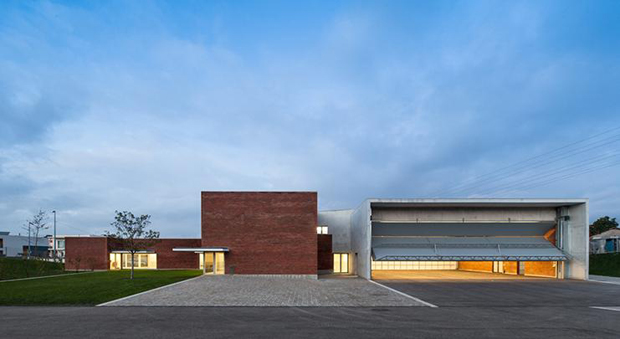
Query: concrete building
{"type": "Point", "coordinates": [537, 237]}
{"type": "Point", "coordinates": [17, 245]}
{"type": "Point", "coordinates": [282, 233]}
{"type": "Point", "coordinates": [606, 242]}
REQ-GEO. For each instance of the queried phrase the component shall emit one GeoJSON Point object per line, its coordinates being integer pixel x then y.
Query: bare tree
{"type": "Point", "coordinates": [34, 226]}
{"type": "Point", "coordinates": [133, 234]}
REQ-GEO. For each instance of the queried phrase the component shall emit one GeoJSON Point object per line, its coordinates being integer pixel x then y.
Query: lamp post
{"type": "Point", "coordinates": [54, 234]}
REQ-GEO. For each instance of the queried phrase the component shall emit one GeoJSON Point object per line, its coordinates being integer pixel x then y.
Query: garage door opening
{"type": "Point", "coordinates": [465, 270]}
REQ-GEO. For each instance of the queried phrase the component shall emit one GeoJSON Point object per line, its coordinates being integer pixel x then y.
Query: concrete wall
{"type": "Point", "coordinates": [339, 226]}
{"type": "Point", "coordinates": [576, 242]}
{"type": "Point", "coordinates": [360, 240]}
{"type": "Point", "coordinates": [266, 232]}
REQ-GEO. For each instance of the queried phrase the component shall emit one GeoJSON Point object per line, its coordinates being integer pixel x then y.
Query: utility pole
{"type": "Point", "coordinates": [54, 234]}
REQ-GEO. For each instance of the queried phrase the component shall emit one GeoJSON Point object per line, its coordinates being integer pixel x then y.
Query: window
{"type": "Point", "coordinates": [341, 263]}
{"type": "Point", "coordinates": [144, 261]}
{"type": "Point", "coordinates": [60, 244]}
{"type": "Point", "coordinates": [321, 230]}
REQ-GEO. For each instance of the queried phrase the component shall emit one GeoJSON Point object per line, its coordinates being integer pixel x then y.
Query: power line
{"type": "Point", "coordinates": [501, 174]}
{"type": "Point", "coordinates": [585, 171]}
{"type": "Point", "coordinates": [550, 174]}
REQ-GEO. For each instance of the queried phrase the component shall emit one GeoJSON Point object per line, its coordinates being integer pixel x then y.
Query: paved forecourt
{"type": "Point", "coordinates": [229, 290]}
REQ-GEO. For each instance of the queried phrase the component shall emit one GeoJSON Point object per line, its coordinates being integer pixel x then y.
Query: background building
{"type": "Point", "coordinates": [18, 245]}
{"type": "Point", "coordinates": [606, 242]}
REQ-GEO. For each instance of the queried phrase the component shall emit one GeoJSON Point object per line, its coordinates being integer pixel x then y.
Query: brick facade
{"type": "Point", "coordinates": [266, 232]}
{"type": "Point", "coordinates": [86, 253]}
{"type": "Point", "coordinates": [167, 259]}
{"type": "Point", "coordinates": [325, 256]}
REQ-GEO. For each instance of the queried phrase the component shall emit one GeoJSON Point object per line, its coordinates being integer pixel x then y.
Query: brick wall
{"type": "Point", "coordinates": [86, 253]}
{"type": "Point", "coordinates": [325, 256]}
{"type": "Point", "coordinates": [166, 258]}
{"type": "Point", "coordinates": [266, 232]}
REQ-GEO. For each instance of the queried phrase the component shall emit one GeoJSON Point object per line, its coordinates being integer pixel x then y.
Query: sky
{"type": "Point", "coordinates": [141, 105]}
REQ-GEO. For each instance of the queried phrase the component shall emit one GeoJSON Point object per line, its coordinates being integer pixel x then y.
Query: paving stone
{"type": "Point", "coordinates": [268, 291]}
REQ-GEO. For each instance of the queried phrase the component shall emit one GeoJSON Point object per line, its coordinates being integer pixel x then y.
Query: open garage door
{"type": "Point", "coordinates": [506, 248]}
{"type": "Point", "coordinates": [465, 249]}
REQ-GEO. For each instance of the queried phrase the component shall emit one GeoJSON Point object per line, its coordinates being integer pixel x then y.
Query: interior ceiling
{"type": "Point", "coordinates": [461, 229]}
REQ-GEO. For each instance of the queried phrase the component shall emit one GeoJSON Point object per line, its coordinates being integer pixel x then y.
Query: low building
{"type": "Point", "coordinates": [60, 244]}
{"type": "Point", "coordinates": [606, 242]}
{"type": "Point", "coordinates": [283, 233]}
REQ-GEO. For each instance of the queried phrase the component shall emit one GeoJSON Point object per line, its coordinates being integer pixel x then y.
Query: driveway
{"type": "Point", "coordinates": [228, 290]}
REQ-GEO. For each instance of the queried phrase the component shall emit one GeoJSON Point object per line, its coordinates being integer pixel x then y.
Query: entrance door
{"type": "Point", "coordinates": [212, 262]}
{"type": "Point", "coordinates": [208, 263]}
{"type": "Point", "coordinates": [341, 263]}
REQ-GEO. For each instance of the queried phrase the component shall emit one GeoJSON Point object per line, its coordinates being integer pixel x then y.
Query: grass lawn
{"type": "Point", "coordinates": [88, 288]}
{"type": "Point", "coordinates": [605, 264]}
{"type": "Point", "coordinates": [16, 268]}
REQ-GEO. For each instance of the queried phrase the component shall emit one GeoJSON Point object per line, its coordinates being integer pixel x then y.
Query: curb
{"type": "Point", "coordinates": [149, 291]}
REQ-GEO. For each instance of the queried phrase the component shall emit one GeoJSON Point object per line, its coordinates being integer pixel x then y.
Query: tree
{"type": "Point", "coordinates": [34, 226]}
{"type": "Point", "coordinates": [132, 233]}
{"type": "Point", "coordinates": [603, 224]}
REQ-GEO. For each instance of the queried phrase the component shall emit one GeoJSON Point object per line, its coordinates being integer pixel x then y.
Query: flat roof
{"type": "Point", "coordinates": [475, 202]}
{"type": "Point", "coordinates": [200, 249]}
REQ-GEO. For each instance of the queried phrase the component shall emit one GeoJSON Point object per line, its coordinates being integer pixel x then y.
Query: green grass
{"type": "Point", "coordinates": [16, 268]}
{"type": "Point", "coordinates": [605, 264]}
{"type": "Point", "coordinates": [87, 288]}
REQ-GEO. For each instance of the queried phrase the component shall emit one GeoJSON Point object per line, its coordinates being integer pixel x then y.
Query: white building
{"type": "Point", "coordinates": [17, 245]}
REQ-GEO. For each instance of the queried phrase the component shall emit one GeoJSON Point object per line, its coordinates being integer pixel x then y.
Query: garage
{"type": "Point", "coordinates": [476, 242]}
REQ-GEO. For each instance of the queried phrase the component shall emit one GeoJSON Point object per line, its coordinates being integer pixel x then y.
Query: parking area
{"type": "Point", "coordinates": [228, 290]}
{"type": "Point", "coordinates": [492, 290]}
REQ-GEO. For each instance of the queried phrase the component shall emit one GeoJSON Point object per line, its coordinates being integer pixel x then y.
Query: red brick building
{"type": "Point", "coordinates": [242, 233]}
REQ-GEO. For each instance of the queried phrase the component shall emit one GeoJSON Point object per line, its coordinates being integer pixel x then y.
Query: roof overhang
{"type": "Point", "coordinates": [136, 252]}
{"type": "Point", "coordinates": [200, 249]}
{"type": "Point", "coordinates": [475, 202]}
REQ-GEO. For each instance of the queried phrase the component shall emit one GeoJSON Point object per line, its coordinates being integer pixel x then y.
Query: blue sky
{"type": "Point", "coordinates": [139, 105]}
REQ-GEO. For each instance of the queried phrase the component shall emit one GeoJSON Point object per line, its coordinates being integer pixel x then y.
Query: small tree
{"type": "Point", "coordinates": [132, 233]}
{"type": "Point", "coordinates": [34, 227]}
{"type": "Point", "coordinates": [603, 224]}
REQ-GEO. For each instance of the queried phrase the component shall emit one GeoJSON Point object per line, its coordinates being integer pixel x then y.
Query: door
{"type": "Point", "coordinates": [341, 263]}
{"type": "Point", "coordinates": [212, 262]}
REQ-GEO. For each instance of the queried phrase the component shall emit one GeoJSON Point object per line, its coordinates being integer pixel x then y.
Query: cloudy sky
{"type": "Point", "coordinates": [139, 105]}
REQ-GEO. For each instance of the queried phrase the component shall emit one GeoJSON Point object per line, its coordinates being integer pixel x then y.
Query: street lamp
{"type": "Point", "coordinates": [54, 234]}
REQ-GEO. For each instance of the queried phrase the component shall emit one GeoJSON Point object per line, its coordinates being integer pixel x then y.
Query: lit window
{"type": "Point", "coordinates": [144, 261]}
{"type": "Point", "coordinates": [341, 263]}
{"type": "Point", "coordinates": [321, 230]}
